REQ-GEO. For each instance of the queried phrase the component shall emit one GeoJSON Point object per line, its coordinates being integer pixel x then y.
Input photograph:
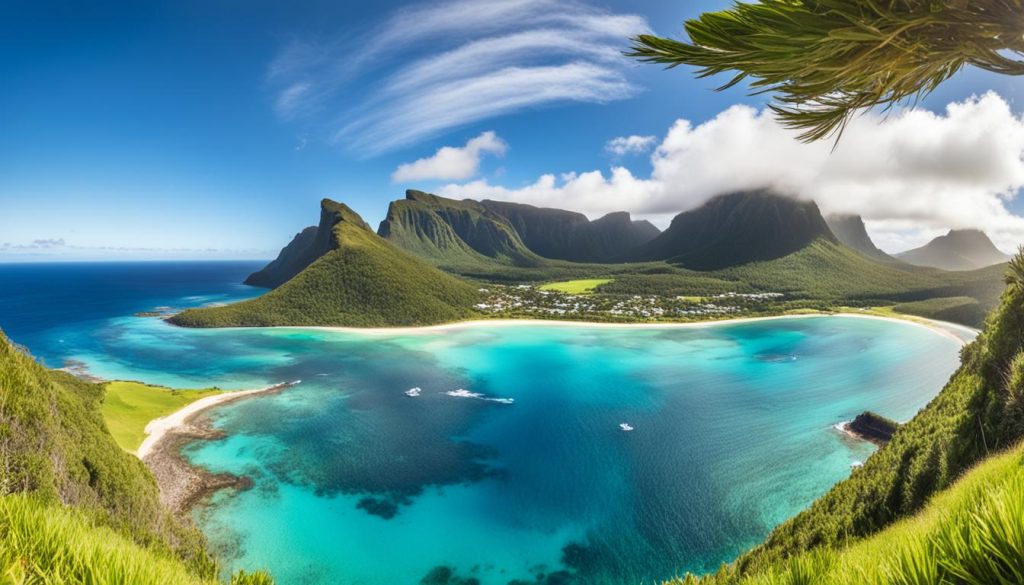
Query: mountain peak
{"type": "Point", "coordinates": [960, 249]}
{"type": "Point", "coordinates": [738, 228]}
{"type": "Point", "coordinates": [336, 212]}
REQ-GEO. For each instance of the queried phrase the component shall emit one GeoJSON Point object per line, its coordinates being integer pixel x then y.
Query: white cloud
{"type": "Point", "coordinates": [624, 145]}
{"type": "Point", "coordinates": [442, 65]}
{"type": "Point", "coordinates": [452, 163]}
{"type": "Point", "coordinates": [913, 171]}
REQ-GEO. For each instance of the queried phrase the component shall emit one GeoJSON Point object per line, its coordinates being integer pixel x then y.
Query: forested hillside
{"type": "Point", "coordinates": [75, 507]}
{"type": "Point", "coordinates": [363, 281]}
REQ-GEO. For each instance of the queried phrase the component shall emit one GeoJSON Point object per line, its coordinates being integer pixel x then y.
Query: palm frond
{"type": "Point", "coordinates": [826, 59]}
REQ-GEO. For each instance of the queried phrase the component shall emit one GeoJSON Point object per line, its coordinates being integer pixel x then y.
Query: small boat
{"type": "Point", "coordinates": [857, 464]}
{"type": "Point", "coordinates": [626, 427]}
{"type": "Point", "coordinates": [413, 392]}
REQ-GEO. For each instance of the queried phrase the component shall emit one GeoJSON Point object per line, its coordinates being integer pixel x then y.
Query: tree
{"type": "Point", "coordinates": [826, 59]}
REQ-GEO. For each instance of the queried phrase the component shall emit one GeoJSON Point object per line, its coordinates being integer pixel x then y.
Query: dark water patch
{"type": "Point", "coordinates": [358, 433]}
{"type": "Point", "coordinates": [444, 575]}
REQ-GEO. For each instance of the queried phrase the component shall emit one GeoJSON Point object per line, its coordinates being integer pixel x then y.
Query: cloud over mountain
{"type": "Point", "coordinates": [452, 163]}
{"type": "Point", "coordinates": [913, 170]}
{"type": "Point", "coordinates": [448, 64]}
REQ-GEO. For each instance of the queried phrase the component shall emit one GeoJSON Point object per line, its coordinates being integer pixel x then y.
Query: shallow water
{"type": "Point", "coordinates": [356, 482]}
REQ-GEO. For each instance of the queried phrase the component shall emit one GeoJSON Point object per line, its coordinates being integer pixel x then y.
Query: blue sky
{"type": "Point", "coordinates": [165, 129]}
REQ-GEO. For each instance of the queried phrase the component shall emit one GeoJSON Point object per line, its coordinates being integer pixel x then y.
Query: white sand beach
{"type": "Point", "coordinates": [158, 428]}
{"type": "Point", "coordinates": [961, 333]}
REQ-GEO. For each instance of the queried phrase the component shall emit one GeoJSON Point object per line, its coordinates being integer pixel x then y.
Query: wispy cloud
{"type": "Point", "coordinates": [429, 69]}
{"type": "Point", "coordinates": [452, 163]}
{"type": "Point", "coordinates": [624, 145]}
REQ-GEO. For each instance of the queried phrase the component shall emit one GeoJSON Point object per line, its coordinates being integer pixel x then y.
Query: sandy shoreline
{"type": "Point", "coordinates": [181, 483]}
{"type": "Point", "coordinates": [961, 333]}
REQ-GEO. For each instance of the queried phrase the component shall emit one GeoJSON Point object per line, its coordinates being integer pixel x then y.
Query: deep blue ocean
{"type": "Point", "coordinates": [526, 477]}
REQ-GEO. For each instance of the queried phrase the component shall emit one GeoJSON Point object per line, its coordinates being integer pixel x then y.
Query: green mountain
{"type": "Point", "coordinates": [450, 232]}
{"type": "Point", "coordinates": [75, 507]}
{"type": "Point", "coordinates": [363, 280]}
{"type": "Point", "coordinates": [735, 229]}
{"type": "Point", "coordinates": [850, 230]}
{"type": "Point", "coordinates": [567, 235]}
{"type": "Point", "coordinates": [957, 250]}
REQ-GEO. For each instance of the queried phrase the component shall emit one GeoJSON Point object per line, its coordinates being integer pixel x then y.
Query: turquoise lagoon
{"type": "Point", "coordinates": [355, 482]}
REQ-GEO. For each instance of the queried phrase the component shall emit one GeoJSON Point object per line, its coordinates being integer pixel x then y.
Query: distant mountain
{"type": "Point", "coordinates": [567, 235]}
{"type": "Point", "coordinates": [449, 231]}
{"type": "Point", "coordinates": [850, 230]}
{"type": "Point", "coordinates": [736, 229]}
{"type": "Point", "coordinates": [957, 250]}
{"type": "Point", "coordinates": [362, 280]}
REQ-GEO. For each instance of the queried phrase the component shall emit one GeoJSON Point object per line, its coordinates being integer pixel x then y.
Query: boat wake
{"type": "Point", "coordinates": [463, 393]}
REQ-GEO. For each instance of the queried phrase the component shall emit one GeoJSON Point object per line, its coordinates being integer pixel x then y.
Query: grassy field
{"type": "Point", "coordinates": [576, 287]}
{"type": "Point", "coordinates": [129, 406]}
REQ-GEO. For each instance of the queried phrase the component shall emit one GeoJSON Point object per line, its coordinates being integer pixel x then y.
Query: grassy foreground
{"type": "Point", "coordinates": [971, 534]}
{"type": "Point", "coordinates": [129, 406]}
{"type": "Point", "coordinates": [55, 545]}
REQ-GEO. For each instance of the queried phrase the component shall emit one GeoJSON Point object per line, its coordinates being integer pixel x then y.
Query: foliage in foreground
{"type": "Point", "coordinates": [74, 507]}
{"type": "Point", "coordinates": [828, 58]}
{"type": "Point", "coordinates": [971, 534]}
{"type": "Point", "coordinates": [55, 545]}
{"type": "Point", "coordinates": [54, 444]}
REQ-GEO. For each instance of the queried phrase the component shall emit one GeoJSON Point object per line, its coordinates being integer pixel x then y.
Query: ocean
{"type": "Point", "coordinates": [509, 464]}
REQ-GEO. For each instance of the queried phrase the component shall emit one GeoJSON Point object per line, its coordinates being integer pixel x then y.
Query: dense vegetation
{"type": "Point", "coordinates": [66, 487]}
{"type": "Point", "coordinates": [954, 309]}
{"type": "Point", "coordinates": [979, 412]}
{"type": "Point", "coordinates": [971, 534]}
{"type": "Point", "coordinates": [364, 281]}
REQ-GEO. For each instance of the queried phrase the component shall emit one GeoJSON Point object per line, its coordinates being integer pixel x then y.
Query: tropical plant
{"type": "Point", "coordinates": [826, 59]}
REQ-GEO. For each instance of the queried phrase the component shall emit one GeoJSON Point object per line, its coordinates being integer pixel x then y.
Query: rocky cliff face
{"type": "Point", "coordinates": [450, 231]}
{"type": "Point", "coordinates": [304, 249]}
{"type": "Point", "coordinates": [567, 235]}
{"type": "Point", "coordinates": [737, 229]}
{"type": "Point", "coordinates": [850, 230]}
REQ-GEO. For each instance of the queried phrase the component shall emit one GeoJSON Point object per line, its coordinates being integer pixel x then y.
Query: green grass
{"type": "Point", "coordinates": [970, 534]}
{"type": "Point", "coordinates": [576, 287]}
{"type": "Point", "coordinates": [129, 406]}
{"type": "Point", "coordinates": [55, 545]}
